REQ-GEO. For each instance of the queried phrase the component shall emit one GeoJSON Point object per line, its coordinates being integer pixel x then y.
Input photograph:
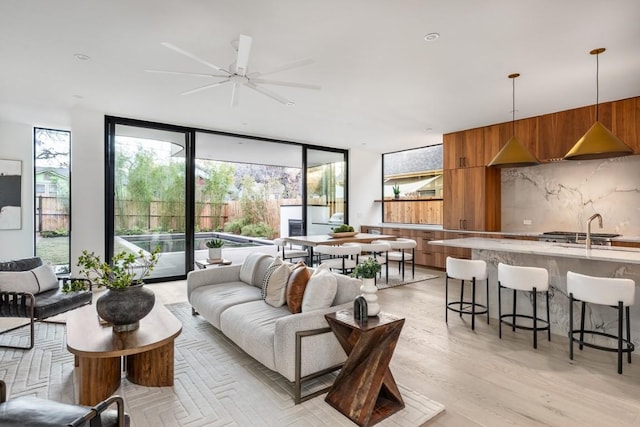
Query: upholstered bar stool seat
{"type": "Point", "coordinates": [613, 292]}
{"type": "Point", "coordinates": [343, 257]}
{"type": "Point", "coordinates": [527, 279]}
{"type": "Point", "coordinates": [471, 271]}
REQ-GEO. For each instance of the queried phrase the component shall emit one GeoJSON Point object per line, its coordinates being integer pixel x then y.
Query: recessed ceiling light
{"type": "Point", "coordinates": [428, 129]}
{"type": "Point", "coordinates": [78, 96]}
{"type": "Point", "coordinates": [432, 37]}
{"type": "Point", "coordinates": [290, 103]}
{"type": "Point", "coordinates": [82, 57]}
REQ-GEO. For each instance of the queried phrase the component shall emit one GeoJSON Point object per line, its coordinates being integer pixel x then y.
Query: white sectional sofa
{"type": "Point", "coordinates": [230, 298]}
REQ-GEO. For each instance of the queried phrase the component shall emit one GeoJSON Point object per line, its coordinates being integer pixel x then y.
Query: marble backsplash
{"type": "Point", "coordinates": [562, 196]}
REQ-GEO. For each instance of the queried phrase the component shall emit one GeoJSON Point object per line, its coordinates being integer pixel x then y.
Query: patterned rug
{"type": "Point", "coordinates": [395, 279]}
{"type": "Point", "coordinates": [216, 384]}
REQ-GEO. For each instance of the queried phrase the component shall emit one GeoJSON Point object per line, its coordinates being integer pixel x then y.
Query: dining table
{"type": "Point", "coordinates": [314, 240]}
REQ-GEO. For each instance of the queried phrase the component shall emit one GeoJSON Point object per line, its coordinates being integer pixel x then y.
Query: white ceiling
{"type": "Point", "coordinates": [382, 84]}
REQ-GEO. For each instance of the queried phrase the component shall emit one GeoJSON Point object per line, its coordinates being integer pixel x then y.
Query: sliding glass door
{"type": "Point", "coordinates": [148, 197]}
{"type": "Point", "coordinates": [326, 190]}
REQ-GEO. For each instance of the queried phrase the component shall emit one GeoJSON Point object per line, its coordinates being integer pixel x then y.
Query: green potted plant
{"type": "Point", "coordinates": [396, 191]}
{"type": "Point", "coordinates": [368, 271]}
{"type": "Point", "coordinates": [126, 301]}
{"type": "Point", "coordinates": [215, 248]}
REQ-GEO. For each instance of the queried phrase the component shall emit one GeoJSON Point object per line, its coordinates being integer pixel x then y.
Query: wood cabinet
{"type": "Point", "coordinates": [463, 149]}
{"type": "Point", "coordinates": [472, 199]}
{"type": "Point", "coordinates": [626, 122]}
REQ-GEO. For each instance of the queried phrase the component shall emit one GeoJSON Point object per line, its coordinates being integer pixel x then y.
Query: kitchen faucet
{"type": "Point", "coordinates": [594, 216]}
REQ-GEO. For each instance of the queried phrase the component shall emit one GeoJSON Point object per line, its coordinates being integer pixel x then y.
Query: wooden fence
{"type": "Point", "coordinates": [51, 214]}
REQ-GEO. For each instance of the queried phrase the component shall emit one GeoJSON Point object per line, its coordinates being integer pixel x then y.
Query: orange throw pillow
{"type": "Point", "coordinates": [296, 285]}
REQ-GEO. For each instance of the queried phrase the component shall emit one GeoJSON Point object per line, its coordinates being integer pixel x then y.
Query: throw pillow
{"type": "Point", "coordinates": [295, 287]}
{"type": "Point", "coordinates": [320, 291]}
{"type": "Point", "coordinates": [19, 281]}
{"type": "Point", "coordinates": [46, 277]}
{"type": "Point", "coordinates": [249, 267]}
{"type": "Point", "coordinates": [274, 283]}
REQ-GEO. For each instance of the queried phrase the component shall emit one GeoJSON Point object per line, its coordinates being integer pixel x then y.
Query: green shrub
{"type": "Point", "coordinates": [235, 226]}
{"type": "Point", "coordinates": [54, 233]}
{"type": "Point", "coordinates": [258, 230]}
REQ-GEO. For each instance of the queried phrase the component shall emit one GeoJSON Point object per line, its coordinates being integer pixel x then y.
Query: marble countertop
{"type": "Point", "coordinates": [598, 253]}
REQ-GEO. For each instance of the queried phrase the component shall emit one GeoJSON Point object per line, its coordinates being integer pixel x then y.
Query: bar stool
{"type": "Point", "coordinates": [471, 270]}
{"type": "Point", "coordinates": [528, 279]}
{"type": "Point", "coordinates": [343, 257]}
{"type": "Point", "coordinates": [613, 292]}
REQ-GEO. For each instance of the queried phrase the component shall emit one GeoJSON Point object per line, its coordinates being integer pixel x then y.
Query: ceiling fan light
{"type": "Point", "coordinates": [598, 143]}
{"type": "Point", "coordinates": [514, 155]}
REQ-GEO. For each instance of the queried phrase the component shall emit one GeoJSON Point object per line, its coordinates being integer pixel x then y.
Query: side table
{"type": "Point", "coordinates": [204, 263]}
{"type": "Point", "coordinates": [365, 390]}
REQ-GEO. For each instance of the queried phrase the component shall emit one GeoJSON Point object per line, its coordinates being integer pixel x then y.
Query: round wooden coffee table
{"type": "Point", "coordinates": [99, 351]}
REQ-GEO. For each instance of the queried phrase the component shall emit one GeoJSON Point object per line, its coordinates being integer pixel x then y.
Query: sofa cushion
{"type": "Point", "coordinates": [47, 279]}
{"type": "Point", "coordinates": [274, 283]}
{"type": "Point", "coordinates": [212, 300]}
{"type": "Point", "coordinates": [252, 326]}
{"type": "Point", "coordinates": [296, 285]}
{"type": "Point", "coordinates": [253, 268]}
{"type": "Point", "coordinates": [320, 290]}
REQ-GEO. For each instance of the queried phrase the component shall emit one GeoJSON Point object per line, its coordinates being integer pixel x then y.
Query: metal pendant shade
{"type": "Point", "coordinates": [514, 154]}
{"type": "Point", "coordinates": [598, 142]}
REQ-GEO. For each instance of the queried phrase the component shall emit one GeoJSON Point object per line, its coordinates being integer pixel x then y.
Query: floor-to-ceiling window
{"type": "Point", "coordinates": [180, 187]}
{"type": "Point", "coordinates": [52, 181]}
{"type": "Point", "coordinates": [147, 194]}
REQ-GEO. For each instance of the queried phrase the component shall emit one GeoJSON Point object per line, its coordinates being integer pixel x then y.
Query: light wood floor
{"type": "Point", "coordinates": [485, 381]}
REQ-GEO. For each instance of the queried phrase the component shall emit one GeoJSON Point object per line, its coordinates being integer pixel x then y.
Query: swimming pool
{"type": "Point", "coordinates": [176, 242]}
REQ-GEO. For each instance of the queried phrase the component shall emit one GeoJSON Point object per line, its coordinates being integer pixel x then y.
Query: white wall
{"type": "Point", "coordinates": [365, 179]}
{"type": "Point", "coordinates": [16, 144]}
{"type": "Point", "coordinates": [87, 184]}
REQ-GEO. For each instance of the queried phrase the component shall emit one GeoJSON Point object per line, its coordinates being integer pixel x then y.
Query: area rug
{"type": "Point", "coordinates": [216, 384]}
{"type": "Point", "coordinates": [396, 279]}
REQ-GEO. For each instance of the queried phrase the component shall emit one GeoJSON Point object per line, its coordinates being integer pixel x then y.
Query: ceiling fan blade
{"type": "Point", "coordinates": [244, 48]}
{"type": "Point", "coordinates": [289, 66]}
{"type": "Point", "coordinates": [182, 73]}
{"type": "Point", "coordinates": [235, 95]}
{"type": "Point", "coordinates": [288, 84]}
{"type": "Point", "coordinates": [270, 94]}
{"type": "Point", "coordinates": [192, 56]}
{"type": "Point", "coordinates": [198, 89]}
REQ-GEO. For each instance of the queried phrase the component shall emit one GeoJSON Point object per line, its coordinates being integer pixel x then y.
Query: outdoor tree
{"type": "Point", "coordinates": [216, 182]}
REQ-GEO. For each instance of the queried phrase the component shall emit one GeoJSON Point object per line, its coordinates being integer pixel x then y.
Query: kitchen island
{"type": "Point", "coordinates": [558, 258]}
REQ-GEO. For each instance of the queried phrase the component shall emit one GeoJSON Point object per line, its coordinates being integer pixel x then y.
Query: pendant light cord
{"type": "Point", "coordinates": [597, 86]}
{"type": "Point", "coordinates": [513, 106]}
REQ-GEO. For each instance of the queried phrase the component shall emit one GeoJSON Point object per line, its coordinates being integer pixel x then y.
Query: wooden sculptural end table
{"type": "Point", "coordinates": [99, 351]}
{"type": "Point", "coordinates": [365, 390]}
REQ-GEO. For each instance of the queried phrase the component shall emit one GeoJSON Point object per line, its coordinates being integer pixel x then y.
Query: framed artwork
{"type": "Point", "coordinates": [10, 194]}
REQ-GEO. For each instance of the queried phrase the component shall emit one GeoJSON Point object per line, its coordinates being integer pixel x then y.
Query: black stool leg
{"type": "Point", "coordinates": [535, 318]}
{"type": "Point", "coordinates": [487, 279]}
{"type": "Point", "coordinates": [499, 310]}
{"type": "Point", "coordinates": [446, 299]}
{"type": "Point", "coordinates": [628, 333]}
{"type": "Point", "coordinates": [473, 304]}
{"type": "Point", "coordinates": [461, 295]}
{"type": "Point", "coordinates": [548, 318]}
{"type": "Point", "coordinates": [620, 323]}
{"type": "Point", "coordinates": [513, 323]}
{"type": "Point", "coordinates": [582, 325]}
{"type": "Point", "coordinates": [570, 326]}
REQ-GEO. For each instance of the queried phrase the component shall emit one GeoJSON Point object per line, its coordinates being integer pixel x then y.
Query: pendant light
{"type": "Point", "coordinates": [513, 154]}
{"type": "Point", "coordinates": [598, 142]}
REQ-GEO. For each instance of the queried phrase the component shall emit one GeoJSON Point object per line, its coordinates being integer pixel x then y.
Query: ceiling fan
{"type": "Point", "coordinates": [237, 74]}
